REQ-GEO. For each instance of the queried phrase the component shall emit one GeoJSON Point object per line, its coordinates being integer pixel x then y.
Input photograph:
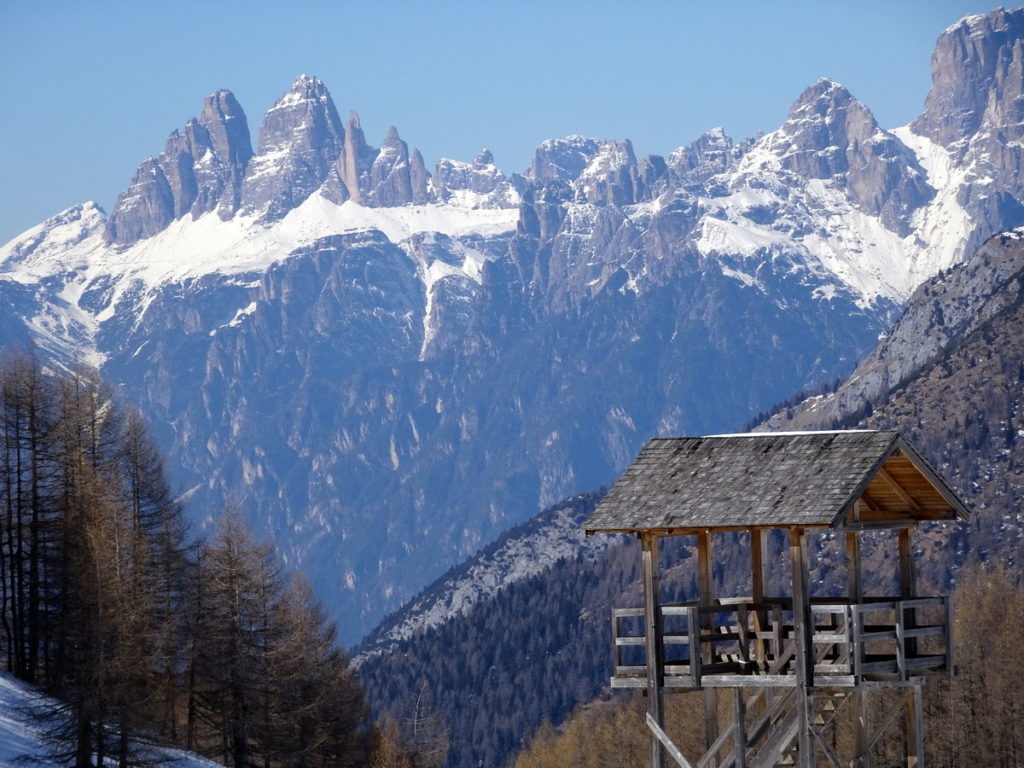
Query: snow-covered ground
{"type": "Point", "coordinates": [21, 738]}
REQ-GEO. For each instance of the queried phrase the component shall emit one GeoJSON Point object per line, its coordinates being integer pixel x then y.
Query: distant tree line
{"type": "Point", "coordinates": [143, 635]}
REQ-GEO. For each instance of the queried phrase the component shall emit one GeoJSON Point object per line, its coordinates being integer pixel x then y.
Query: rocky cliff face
{"type": "Point", "coordinates": [831, 135]}
{"type": "Point", "coordinates": [300, 139]}
{"type": "Point", "coordinates": [388, 368]}
{"type": "Point", "coordinates": [200, 169]}
{"type": "Point", "coordinates": [975, 111]}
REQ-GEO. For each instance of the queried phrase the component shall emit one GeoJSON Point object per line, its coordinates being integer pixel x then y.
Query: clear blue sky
{"type": "Point", "coordinates": [89, 89]}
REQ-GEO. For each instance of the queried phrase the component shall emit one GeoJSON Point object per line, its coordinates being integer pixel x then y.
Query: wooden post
{"type": "Point", "coordinates": [855, 594]}
{"type": "Point", "coordinates": [854, 587]}
{"type": "Point", "coordinates": [908, 589]}
{"type": "Point", "coordinates": [758, 545]}
{"type": "Point", "coordinates": [804, 651]}
{"type": "Point", "coordinates": [740, 713]}
{"type": "Point", "coordinates": [915, 728]}
{"type": "Point", "coordinates": [705, 584]}
{"type": "Point", "coordinates": [861, 742]}
{"type": "Point", "coordinates": [908, 585]}
{"type": "Point", "coordinates": [653, 642]}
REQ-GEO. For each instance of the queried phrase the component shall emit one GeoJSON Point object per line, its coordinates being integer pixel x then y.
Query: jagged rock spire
{"type": "Point", "coordinates": [201, 168]}
{"type": "Point", "coordinates": [300, 139]}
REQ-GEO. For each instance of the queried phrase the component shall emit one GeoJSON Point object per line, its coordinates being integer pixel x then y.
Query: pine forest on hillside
{"type": "Point", "coordinates": [106, 604]}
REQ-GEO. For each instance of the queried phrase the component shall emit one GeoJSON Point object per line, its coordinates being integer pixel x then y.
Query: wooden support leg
{"type": "Point", "coordinates": [740, 715]}
{"type": "Point", "coordinates": [711, 722]}
{"type": "Point", "coordinates": [860, 730]}
{"type": "Point", "coordinates": [653, 647]}
{"type": "Point", "coordinates": [804, 650]}
{"type": "Point", "coordinates": [915, 728]}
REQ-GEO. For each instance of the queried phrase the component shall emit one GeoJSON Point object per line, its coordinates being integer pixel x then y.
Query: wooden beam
{"type": "Point", "coordinates": [662, 738]}
{"type": "Point", "coordinates": [898, 489]}
{"type": "Point", "coordinates": [876, 525]}
{"type": "Point", "coordinates": [653, 647]}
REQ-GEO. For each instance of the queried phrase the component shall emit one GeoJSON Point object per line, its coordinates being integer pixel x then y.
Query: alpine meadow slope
{"type": "Point", "coordinates": [386, 367]}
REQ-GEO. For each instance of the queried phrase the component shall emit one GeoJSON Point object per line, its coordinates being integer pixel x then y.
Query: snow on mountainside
{"type": "Point", "coordinates": [389, 367]}
{"type": "Point", "coordinates": [71, 246]}
{"type": "Point", "coordinates": [22, 740]}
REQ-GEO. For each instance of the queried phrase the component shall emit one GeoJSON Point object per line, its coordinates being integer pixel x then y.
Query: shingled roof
{"type": "Point", "coordinates": [773, 480]}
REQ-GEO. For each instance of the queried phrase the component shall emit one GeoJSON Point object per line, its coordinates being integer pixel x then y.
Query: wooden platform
{"type": "Point", "coordinates": [740, 643]}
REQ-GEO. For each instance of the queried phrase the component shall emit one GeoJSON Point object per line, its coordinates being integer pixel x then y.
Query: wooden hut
{"type": "Point", "coordinates": [791, 649]}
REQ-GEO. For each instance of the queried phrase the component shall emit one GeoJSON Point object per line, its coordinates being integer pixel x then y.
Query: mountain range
{"type": "Point", "coordinates": [385, 366]}
{"type": "Point", "coordinates": [489, 637]}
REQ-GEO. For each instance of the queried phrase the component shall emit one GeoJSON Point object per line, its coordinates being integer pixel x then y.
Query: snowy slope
{"type": "Point", "coordinates": [21, 737]}
{"type": "Point", "coordinates": [69, 248]}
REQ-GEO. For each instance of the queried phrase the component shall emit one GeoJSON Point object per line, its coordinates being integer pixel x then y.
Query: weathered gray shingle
{"type": "Point", "coordinates": [743, 480]}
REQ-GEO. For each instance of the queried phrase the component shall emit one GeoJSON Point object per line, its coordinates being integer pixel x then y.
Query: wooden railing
{"type": "Point", "coordinates": [738, 642]}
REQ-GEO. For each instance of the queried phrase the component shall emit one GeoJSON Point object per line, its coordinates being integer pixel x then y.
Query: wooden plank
{"type": "Point", "coordinates": [652, 632]}
{"type": "Point", "coordinates": [638, 640]}
{"type": "Point", "coordinates": [631, 669]}
{"type": "Point", "coordinates": [675, 639]}
{"type": "Point", "coordinates": [621, 612]}
{"type": "Point", "coordinates": [749, 681]}
{"type": "Point", "coordinates": [662, 738]}
{"type": "Point", "coordinates": [629, 682]}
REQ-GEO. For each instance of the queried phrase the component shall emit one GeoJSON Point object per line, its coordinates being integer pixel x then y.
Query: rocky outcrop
{"type": "Point", "coordinates": [975, 111]}
{"type": "Point", "coordinates": [562, 159]}
{"type": "Point", "coordinates": [300, 140]}
{"type": "Point", "coordinates": [697, 163]}
{"type": "Point", "coordinates": [419, 178]}
{"type": "Point", "coordinates": [200, 169]}
{"type": "Point", "coordinates": [831, 135]}
{"type": "Point", "coordinates": [977, 81]}
{"type": "Point", "coordinates": [479, 184]}
{"type": "Point", "coordinates": [390, 180]}
{"type": "Point", "coordinates": [611, 177]}
{"type": "Point", "coordinates": [942, 313]}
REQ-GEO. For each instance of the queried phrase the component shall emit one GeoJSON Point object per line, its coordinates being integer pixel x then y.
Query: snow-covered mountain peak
{"type": "Point", "coordinates": [563, 159]}
{"type": "Point", "coordinates": [62, 242]}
